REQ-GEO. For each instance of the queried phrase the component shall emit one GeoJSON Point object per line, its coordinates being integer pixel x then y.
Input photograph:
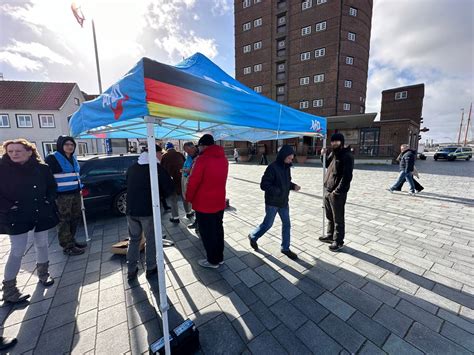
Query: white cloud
{"type": "Point", "coordinates": [221, 7]}
{"type": "Point", "coordinates": [37, 51]}
{"type": "Point", "coordinates": [435, 49]}
{"type": "Point", "coordinates": [20, 62]}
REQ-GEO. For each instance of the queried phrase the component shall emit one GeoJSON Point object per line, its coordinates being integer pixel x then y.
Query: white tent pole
{"type": "Point", "coordinates": [324, 174]}
{"type": "Point", "coordinates": [155, 196]}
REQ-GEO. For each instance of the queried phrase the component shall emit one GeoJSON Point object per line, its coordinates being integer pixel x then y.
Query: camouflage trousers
{"type": "Point", "coordinates": [69, 208]}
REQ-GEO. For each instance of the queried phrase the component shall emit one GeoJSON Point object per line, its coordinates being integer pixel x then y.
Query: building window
{"type": "Point", "coordinates": [346, 106]}
{"type": "Point", "coordinates": [353, 11]}
{"type": "Point", "coordinates": [304, 104]}
{"type": "Point", "coordinates": [362, 109]}
{"type": "Point", "coordinates": [351, 36]}
{"type": "Point", "coordinates": [304, 80]}
{"type": "Point", "coordinates": [247, 48]}
{"type": "Point", "coordinates": [281, 44]}
{"type": "Point", "coordinates": [257, 89]}
{"type": "Point", "coordinates": [401, 95]}
{"type": "Point", "coordinates": [257, 22]}
{"type": "Point", "coordinates": [318, 103]}
{"type": "Point", "coordinates": [257, 67]}
{"type": "Point", "coordinates": [46, 121]}
{"type": "Point", "coordinates": [319, 78]}
{"type": "Point", "coordinates": [48, 148]}
{"type": "Point", "coordinates": [319, 2]}
{"type": "Point", "coordinates": [349, 60]}
{"type": "Point", "coordinates": [280, 67]}
{"type": "Point", "coordinates": [321, 26]}
{"type": "Point", "coordinates": [305, 5]}
{"type": "Point", "coordinates": [247, 70]}
{"type": "Point", "coordinates": [306, 31]}
{"type": "Point", "coordinates": [81, 148]}
{"type": "Point", "coordinates": [257, 45]}
{"type": "Point", "coordinates": [305, 56]}
{"type": "Point", "coordinates": [256, 1]}
{"type": "Point", "coordinates": [77, 102]}
{"type": "Point", "coordinates": [4, 121]}
{"type": "Point", "coordinates": [281, 20]}
{"type": "Point", "coordinates": [247, 26]}
{"type": "Point", "coordinates": [24, 121]}
{"type": "Point", "coordinates": [280, 89]}
{"type": "Point", "coordinates": [246, 3]}
{"type": "Point", "coordinates": [321, 52]}
{"type": "Point", "coordinates": [348, 84]}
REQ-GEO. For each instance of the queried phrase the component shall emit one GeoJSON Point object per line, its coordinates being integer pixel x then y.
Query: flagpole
{"type": "Point", "coordinates": [96, 57]}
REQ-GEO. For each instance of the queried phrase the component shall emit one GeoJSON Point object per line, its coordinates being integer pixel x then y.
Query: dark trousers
{"type": "Point", "coordinates": [334, 207]}
{"type": "Point", "coordinates": [264, 160]}
{"type": "Point", "coordinates": [211, 230]}
{"type": "Point", "coordinates": [69, 208]}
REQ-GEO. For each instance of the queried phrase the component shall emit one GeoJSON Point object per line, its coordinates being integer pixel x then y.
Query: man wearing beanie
{"type": "Point", "coordinates": [65, 168]}
{"type": "Point", "coordinates": [337, 181]}
{"type": "Point", "coordinates": [276, 182]}
{"type": "Point", "coordinates": [173, 162]}
{"type": "Point", "coordinates": [206, 193]}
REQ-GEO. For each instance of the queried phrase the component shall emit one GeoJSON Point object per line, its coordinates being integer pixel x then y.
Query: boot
{"type": "Point", "coordinates": [6, 343]}
{"type": "Point", "coordinates": [11, 293]}
{"type": "Point", "coordinates": [43, 275]}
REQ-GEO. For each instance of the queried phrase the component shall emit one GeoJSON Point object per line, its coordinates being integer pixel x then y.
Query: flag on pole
{"type": "Point", "coordinates": [77, 12]}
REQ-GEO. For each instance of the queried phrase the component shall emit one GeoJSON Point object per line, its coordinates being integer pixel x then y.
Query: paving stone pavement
{"type": "Point", "coordinates": [404, 282]}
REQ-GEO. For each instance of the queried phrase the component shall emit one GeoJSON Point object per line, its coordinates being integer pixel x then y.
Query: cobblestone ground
{"type": "Point", "coordinates": [403, 284]}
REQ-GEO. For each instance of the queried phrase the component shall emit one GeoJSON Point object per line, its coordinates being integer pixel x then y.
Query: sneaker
{"type": "Point", "coordinates": [151, 272]}
{"type": "Point", "coordinates": [290, 254]}
{"type": "Point", "coordinates": [390, 190]}
{"type": "Point", "coordinates": [411, 193]}
{"type": "Point", "coordinates": [80, 245]}
{"type": "Point", "coordinates": [327, 239]}
{"type": "Point", "coordinates": [192, 225]}
{"type": "Point", "coordinates": [253, 243]}
{"type": "Point", "coordinates": [73, 251]}
{"type": "Point", "coordinates": [207, 264]}
{"type": "Point", "coordinates": [189, 215]}
{"type": "Point", "coordinates": [221, 262]}
{"type": "Point", "coordinates": [174, 220]}
{"type": "Point", "coordinates": [335, 246]}
{"type": "Point", "coordinates": [132, 275]}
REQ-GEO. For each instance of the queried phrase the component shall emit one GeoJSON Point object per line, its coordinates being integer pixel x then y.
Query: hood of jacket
{"type": "Point", "coordinates": [283, 153]}
{"type": "Point", "coordinates": [60, 143]}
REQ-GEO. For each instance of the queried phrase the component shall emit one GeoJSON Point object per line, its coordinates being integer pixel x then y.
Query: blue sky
{"type": "Point", "coordinates": [423, 41]}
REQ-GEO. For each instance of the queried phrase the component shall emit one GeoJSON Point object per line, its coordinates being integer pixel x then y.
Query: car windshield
{"type": "Point", "coordinates": [449, 150]}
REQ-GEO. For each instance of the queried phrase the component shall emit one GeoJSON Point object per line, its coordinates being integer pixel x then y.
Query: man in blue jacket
{"type": "Point", "coordinates": [407, 165]}
{"type": "Point", "coordinates": [276, 182]}
{"type": "Point", "coordinates": [66, 171]}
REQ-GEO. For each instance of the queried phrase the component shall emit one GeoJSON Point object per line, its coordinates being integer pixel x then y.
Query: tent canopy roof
{"type": "Point", "coordinates": [189, 99]}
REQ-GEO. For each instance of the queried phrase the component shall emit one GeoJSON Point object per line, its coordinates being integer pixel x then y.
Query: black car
{"type": "Point", "coordinates": [104, 179]}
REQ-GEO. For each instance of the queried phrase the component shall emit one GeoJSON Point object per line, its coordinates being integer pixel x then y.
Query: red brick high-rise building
{"type": "Point", "coordinates": [312, 55]}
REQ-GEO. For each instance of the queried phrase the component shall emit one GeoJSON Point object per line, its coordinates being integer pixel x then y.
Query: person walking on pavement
{"type": "Point", "coordinates": [407, 159]}
{"type": "Point", "coordinates": [236, 155]}
{"type": "Point", "coordinates": [206, 191]}
{"type": "Point", "coordinates": [173, 162]}
{"type": "Point", "coordinates": [277, 184]}
{"type": "Point", "coordinates": [66, 171]}
{"type": "Point", "coordinates": [337, 182]}
{"type": "Point", "coordinates": [192, 153]}
{"type": "Point", "coordinates": [27, 193]}
{"type": "Point", "coordinates": [264, 159]}
{"type": "Point", "coordinates": [140, 212]}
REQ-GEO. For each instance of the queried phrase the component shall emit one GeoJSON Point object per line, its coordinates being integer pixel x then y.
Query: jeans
{"type": "Point", "coordinates": [334, 206]}
{"type": "Point", "coordinates": [270, 214]}
{"type": "Point", "coordinates": [18, 244]}
{"type": "Point", "coordinates": [137, 225]}
{"type": "Point", "coordinates": [173, 199]}
{"type": "Point", "coordinates": [402, 177]}
{"type": "Point", "coordinates": [211, 230]}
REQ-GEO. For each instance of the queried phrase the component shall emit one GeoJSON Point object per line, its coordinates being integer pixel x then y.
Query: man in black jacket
{"type": "Point", "coordinates": [407, 165]}
{"type": "Point", "coordinates": [337, 182]}
{"type": "Point", "coordinates": [140, 211]}
{"type": "Point", "coordinates": [276, 182]}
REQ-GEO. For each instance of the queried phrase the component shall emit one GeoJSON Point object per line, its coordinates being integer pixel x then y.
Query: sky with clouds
{"type": "Point", "coordinates": [422, 41]}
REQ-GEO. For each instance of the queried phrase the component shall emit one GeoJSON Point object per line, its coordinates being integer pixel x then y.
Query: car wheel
{"type": "Point", "coordinates": [468, 158]}
{"type": "Point", "coordinates": [119, 206]}
{"type": "Point", "coordinates": [436, 158]}
{"type": "Point", "coordinates": [452, 159]}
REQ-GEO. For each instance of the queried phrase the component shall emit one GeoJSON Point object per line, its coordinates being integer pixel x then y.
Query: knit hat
{"type": "Point", "coordinates": [338, 137]}
{"type": "Point", "coordinates": [206, 139]}
{"type": "Point", "coordinates": [169, 145]}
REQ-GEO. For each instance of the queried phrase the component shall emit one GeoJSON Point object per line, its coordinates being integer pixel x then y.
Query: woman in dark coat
{"type": "Point", "coordinates": [27, 194]}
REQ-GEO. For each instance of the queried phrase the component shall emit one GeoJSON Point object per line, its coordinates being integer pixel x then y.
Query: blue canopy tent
{"type": "Point", "coordinates": [184, 102]}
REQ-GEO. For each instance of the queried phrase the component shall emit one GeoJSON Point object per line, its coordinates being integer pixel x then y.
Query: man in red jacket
{"type": "Point", "coordinates": [206, 193]}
